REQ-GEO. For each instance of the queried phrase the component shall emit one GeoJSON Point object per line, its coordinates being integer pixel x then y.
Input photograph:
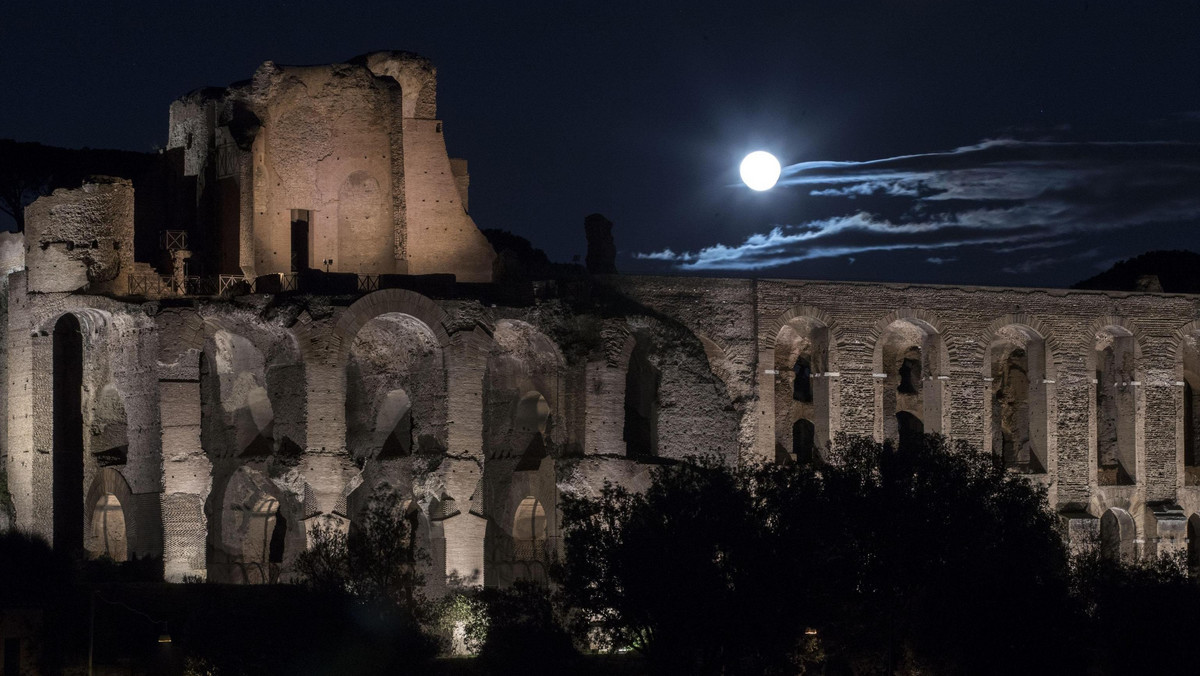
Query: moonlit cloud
{"type": "Point", "coordinates": [1007, 196]}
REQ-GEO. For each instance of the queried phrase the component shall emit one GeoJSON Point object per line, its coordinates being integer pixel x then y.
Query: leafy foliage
{"type": "Point", "coordinates": [377, 560]}
{"type": "Point", "coordinates": [930, 559]}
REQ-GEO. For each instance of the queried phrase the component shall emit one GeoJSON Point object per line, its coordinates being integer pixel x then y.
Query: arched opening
{"type": "Point", "coordinates": [108, 529]}
{"type": "Point", "coordinates": [910, 357]}
{"type": "Point", "coordinates": [1017, 370]}
{"type": "Point", "coordinates": [1117, 533]}
{"type": "Point", "coordinates": [804, 441]}
{"type": "Point", "coordinates": [641, 403]}
{"type": "Point", "coordinates": [395, 389]}
{"type": "Point", "coordinates": [910, 431]}
{"type": "Point", "coordinates": [254, 536]}
{"type": "Point", "coordinates": [68, 434]}
{"type": "Point", "coordinates": [1116, 406]}
{"type": "Point", "coordinates": [1191, 390]}
{"type": "Point", "coordinates": [263, 542]}
{"type": "Point", "coordinates": [530, 554]}
{"type": "Point", "coordinates": [1193, 545]}
{"type": "Point", "coordinates": [802, 392]}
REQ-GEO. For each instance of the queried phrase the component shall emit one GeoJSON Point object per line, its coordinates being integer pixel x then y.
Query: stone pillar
{"type": "Point", "coordinates": [604, 423]}
{"type": "Point", "coordinates": [1161, 403]}
{"type": "Point", "coordinates": [1081, 531]}
{"type": "Point", "coordinates": [20, 402]}
{"type": "Point", "coordinates": [965, 397]}
{"type": "Point", "coordinates": [466, 362]}
{"type": "Point", "coordinates": [41, 424]}
{"type": "Point", "coordinates": [1166, 530]}
{"type": "Point", "coordinates": [764, 407]}
{"type": "Point", "coordinates": [187, 477]}
{"type": "Point", "coordinates": [858, 403]}
{"type": "Point", "coordinates": [1075, 395]}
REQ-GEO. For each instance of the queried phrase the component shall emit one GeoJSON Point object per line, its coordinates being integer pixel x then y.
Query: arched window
{"type": "Point", "coordinates": [529, 531]}
{"type": "Point", "coordinates": [802, 392]}
{"type": "Point", "coordinates": [909, 358]}
{"type": "Point", "coordinates": [108, 529]}
{"type": "Point", "coordinates": [68, 434]}
{"type": "Point", "coordinates": [1017, 370]}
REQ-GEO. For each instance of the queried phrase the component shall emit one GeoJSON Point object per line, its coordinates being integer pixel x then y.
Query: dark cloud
{"type": "Point", "coordinates": [1006, 195]}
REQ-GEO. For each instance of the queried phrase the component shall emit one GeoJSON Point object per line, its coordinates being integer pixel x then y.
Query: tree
{"type": "Point", "coordinates": [928, 559]}
{"type": "Point", "coordinates": [377, 560]}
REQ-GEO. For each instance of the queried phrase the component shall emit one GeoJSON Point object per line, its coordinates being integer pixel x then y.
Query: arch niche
{"type": "Point", "coordinates": [1189, 419]}
{"type": "Point", "coordinates": [910, 372]}
{"type": "Point", "coordinates": [1017, 366]}
{"type": "Point", "coordinates": [803, 392]}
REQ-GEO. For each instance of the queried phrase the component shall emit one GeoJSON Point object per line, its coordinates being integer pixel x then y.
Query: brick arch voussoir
{"type": "Point", "coordinates": [978, 351]}
{"type": "Point", "coordinates": [1178, 338]}
{"type": "Point", "coordinates": [388, 301]}
{"type": "Point", "coordinates": [924, 316]}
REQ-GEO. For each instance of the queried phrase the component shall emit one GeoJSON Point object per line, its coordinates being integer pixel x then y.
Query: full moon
{"type": "Point", "coordinates": [760, 170]}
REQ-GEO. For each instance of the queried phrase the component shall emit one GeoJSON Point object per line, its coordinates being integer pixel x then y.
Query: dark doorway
{"type": "Point", "coordinates": [802, 390]}
{"type": "Point", "coordinates": [1193, 545]}
{"type": "Point", "coordinates": [68, 435]}
{"type": "Point", "coordinates": [300, 220]}
{"type": "Point", "coordinates": [910, 429]}
{"type": "Point", "coordinates": [804, 441]}
{"type": "Point", "coordinates": [910, 376]}
{"type": "Point", "coordinates": [641, 405]}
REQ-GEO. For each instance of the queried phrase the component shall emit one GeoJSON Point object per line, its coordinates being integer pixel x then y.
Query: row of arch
{"type": "Point", "coordinates": [911, 370]}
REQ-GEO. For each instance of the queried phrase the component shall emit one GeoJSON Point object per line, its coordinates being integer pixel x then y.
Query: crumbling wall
{"type": "Point", "coordinates": [326, 147]}
{"type": "Point", "coordinates": [81, 239]}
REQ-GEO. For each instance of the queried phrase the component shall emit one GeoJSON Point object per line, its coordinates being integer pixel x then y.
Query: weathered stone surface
{"type": "Point", "coordinates": [218, 430]}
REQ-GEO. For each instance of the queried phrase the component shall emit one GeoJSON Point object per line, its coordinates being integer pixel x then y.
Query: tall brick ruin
{"type": "Point", "coordinates": [308, 319]}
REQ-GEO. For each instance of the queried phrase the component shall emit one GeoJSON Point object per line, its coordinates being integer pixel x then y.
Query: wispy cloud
{"type": "Point", "coordinates": [1007, 195]}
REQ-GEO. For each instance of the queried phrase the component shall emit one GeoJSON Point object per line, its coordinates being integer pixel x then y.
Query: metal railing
{"type": "Point", "coordinates": [368, 283]}
{"type": "Point", "coordinates": [171, 240]}
{"type": "Point", "coordinates": [227, 284]}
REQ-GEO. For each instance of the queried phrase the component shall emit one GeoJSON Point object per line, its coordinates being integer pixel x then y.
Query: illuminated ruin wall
{"type": "Point", "coordinates": [217, 427]}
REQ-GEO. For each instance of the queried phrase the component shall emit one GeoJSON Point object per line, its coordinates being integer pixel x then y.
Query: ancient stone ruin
{"type": "Point", "coordinates": [299, 312]}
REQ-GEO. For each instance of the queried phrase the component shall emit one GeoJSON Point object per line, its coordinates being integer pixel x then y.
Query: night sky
{"type": "Point", "coordinates": [1009, 143]}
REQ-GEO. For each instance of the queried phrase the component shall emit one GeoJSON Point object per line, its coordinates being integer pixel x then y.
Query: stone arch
{"type": "Point", "coordinates": [530, 539]}
{"type": "Point", "coordinates": [111, 519]}
{"type": "Point", "coordinates": [1054, 354]}
{"type": "Point", "coordinates": [386, 301]}
{"type": "Point", "coordinates": [910, 364]}
{"type": "Point", "coordinates": [255, 529]}
{"type": "Point", "coordinates": [1114, 358]}
{"type": "Point", "coordinates": [1187, 380]}
{"type": "Point", "coordinates": [804, 350]}
{"type": "Point", "coordinates": [396, 389]}
{"type": "Point", "coordinates": [523, 394]}
{"type": "Point", "coordinates": [1118, 536]}
{"type": "Point", "coordinates": [1019, 374]}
